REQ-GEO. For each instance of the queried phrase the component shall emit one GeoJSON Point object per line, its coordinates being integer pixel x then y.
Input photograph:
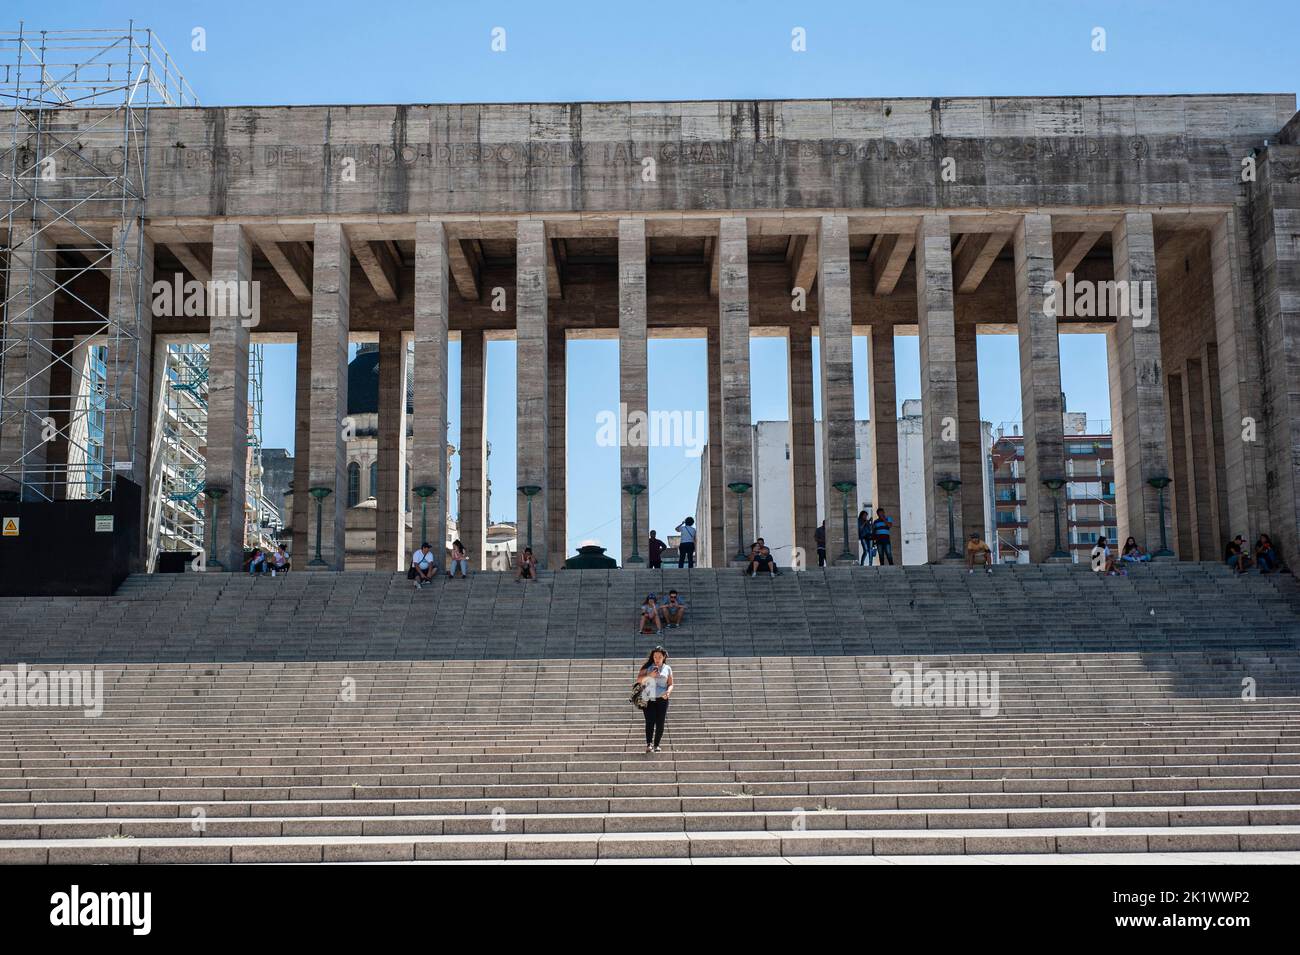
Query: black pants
{"type": "Point", "coordinates": [821, 556]}
{"type": "Point", "coordinates": [686, 555]}
{"type": "Point", "coordinates": [656, 713]}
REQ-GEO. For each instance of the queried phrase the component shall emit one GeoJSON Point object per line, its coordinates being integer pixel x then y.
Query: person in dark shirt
{"type": "Point", "coordinates": [820, 535]}
{"type": "Point", "coordinates": [763, 562]}
{"type": "Point", "coordinates": [656, 548]}
{"type": "Point", "coordinates": [880, 527]}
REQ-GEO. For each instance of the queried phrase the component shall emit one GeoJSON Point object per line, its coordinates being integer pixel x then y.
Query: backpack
{"type": "Point", "coordinates": [638, 696]}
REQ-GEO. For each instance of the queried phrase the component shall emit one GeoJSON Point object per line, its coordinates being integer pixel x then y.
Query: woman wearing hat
{"type": "Point", "coordinates": [657, 678]}
{"type": "Point", "coordinates": [650, 615]}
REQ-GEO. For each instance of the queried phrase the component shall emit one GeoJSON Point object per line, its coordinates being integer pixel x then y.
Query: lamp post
{"type": "Point", "coordinates": [319, 493]}
{"type": "Point", "coordinates": [530, 491]}
{"type": "Point", "coordinates": [1054, 484]}
{"type": "Point", "coordinates": [739, 488]}
{"type": "Point", "coordinates": [424, 492]}
{"type": "Point", "coordinates": [844, 487]}
{"type": "Point", "coordinates": [950, 485]}
{"type": "Point", "coordinates": [1160, 482]}
{"type": "Point", "coordinates": [216, 493]}
{"type": "Point", "coordinates": [635, 490]}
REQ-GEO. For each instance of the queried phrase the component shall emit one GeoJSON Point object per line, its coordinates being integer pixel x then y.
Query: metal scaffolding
{"type": "Point", "coordinates": [76, 166]}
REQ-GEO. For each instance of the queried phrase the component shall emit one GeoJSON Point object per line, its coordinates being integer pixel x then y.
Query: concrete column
{"type": "Point", "coordinates": [835, 330]}
{"type": "Point", "coordinates": [1040, 383]}
{"type": "Point", "coordinates": [1142, 389]}
{"type": "Point", "coordinates": [303, 508]}
{"type": "Point", "coordinates": [129, 367]}
{"type": "Point", "coordinates": [633, 380]}
{"type": "Point", "coordinates": [390, 473]}
{"type": "Point", "coordinates": [1203, 533]}
{"type": "Point", "coordinates": [712, 536]}
{"type": "Point", "coordinates": [884, 432]}
{"type": "Point", "coordinates": [429, 422]}
{"type": "Point", "coordinates": [556, 454]}
{"type": "Point", "coordinates": [227, 461]}
{"type": "Point", "coordinates": [1116, 390]}
{"type": "Point", "coordinates": [803, 444]}
{"type": "Point", "coordinates": [327, 461]}
{"type": "Point", "coordinates": [1179, 498]}
{"type": "Point", "coordinates": [733, 355]}
{"type": "Point", "coordinates": [26, 365]}
{"type": "Point", "coordinates": [939, 411]}
{"type": "Point", "coordinates": [471, 516]}
{"type": "Point", "coordinates": [1240, 392]}
{"type": "Point", "coordinates": [970, 439]}
{"type": "Point", "coordinates": [531, 385]}
{"type": "Point", "coordinates": [1212, 411]}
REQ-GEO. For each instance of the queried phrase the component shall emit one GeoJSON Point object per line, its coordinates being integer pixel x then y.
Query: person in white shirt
{"type": "Point", "coordinates": [279, 561]}
{"type": "Point", "coordinates": [424, 567]}
{"type": "Point", "coordinates": [686, 546]}
{"type": "Point", "coordinates": [1103, 561]}
{"type": "Point", "coordinates": [657, 678]}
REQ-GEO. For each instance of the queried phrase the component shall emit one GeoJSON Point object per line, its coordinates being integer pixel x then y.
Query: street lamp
{"type": "Point", "coordinates": [739, 488]}
{"type": "Point", "coordinates": [950, 485]}
{"type": "Point", "coordinates": [424, 492]}
{"type": "Point", "coordinates": [319, 493]}
{"type": "Point", "coordinates": [844, 487]}
{"type": "Point", "coordinates": [1054, 484]}
{"type": "Point", "coordinates": [1160, 482]}
{"type": "Point", "coordinates": [635, 490]}
{"type": "Point", "coordinates": [530, 491]}
{"type": "Point", "coordinates": [216, 493]}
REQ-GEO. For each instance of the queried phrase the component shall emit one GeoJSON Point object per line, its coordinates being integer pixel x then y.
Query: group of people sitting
{"type": "Point", "coordinates": [273, 563]}
{"type": "Point", "coordinates": [1104, 560]}
{"type": "Point", "coordinates": [657, 615]}
{"type": "Point", "coordinates": [424, 564]}
{"type": "Point", "coordinates": [1264, 555]}
{"type": "Point", "coordinates": [760, 560]}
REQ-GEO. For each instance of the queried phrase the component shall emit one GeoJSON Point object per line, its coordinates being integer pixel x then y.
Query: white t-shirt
{"type": "Point", "coordinates": [688, 533]}
{"type": "Point", "coordinates": [422, 560]}
{"type": "Point", "coordinates": [1099, 555]}
{"type": "Point", "coordinates": [657, 685]}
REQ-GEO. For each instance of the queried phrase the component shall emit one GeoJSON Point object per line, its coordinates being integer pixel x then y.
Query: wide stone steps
{"type": "Point", "coordinates": [586, 614]}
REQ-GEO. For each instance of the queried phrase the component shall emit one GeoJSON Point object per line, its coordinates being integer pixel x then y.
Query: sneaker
{"type": "Point", "coordinates": [658, 750]}
{"type": "Point", "coordinates": [417, 585]}
{"type": "Point", "coordinates": [659, 633]}
{"type": "Point", "coordinates": [970, 571]}
{"type": "Point", "coordinates": [649, 748]}
{"type": "Point", "coordinates": [988, 570]}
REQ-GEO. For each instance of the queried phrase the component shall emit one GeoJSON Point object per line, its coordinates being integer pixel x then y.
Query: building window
{"type": "Point", "coordinates": [354, 484]}
{"type": "Point", "coordinates": [374, 478]}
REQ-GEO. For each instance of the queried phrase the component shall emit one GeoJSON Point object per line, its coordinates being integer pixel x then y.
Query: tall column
{"type": "Point", "coordinates": [835, 331]}
{"type": "Point", "coordinates": [429, 422]}
{"type": "Point", "coordinates": [327, 460]}
{"type": "Point", "coordinates": [713, 534]}
{"type": "Point", "coordinates": [129, 366]}
{"type": "Point", "coordinates": [1142, 395]}
{"type": "Point", "coordinates": [1212, 412]}
{"type": "Point", "coordinates": [533, 427]}
{"type": "Point", "coordinates": [556, 454]}
{"type": "Point", "coordinates": [1116, 389]}
{"type": "Point", "coordinates": [303, 508]}
{"type": "Point", "coordinates": [227, 459]}
{"type": "Point", "coordinates": [1240, 382]}
{"type": "Point", "coordinates": [733, 355]}
{"type": "Point", "coordinates": [884, 432]}
{"type": "Point", "coordinates": [470, 515]}
{"type": "Point", "coordinates": [26, 362]}
{"type": "Point", "coordinates": [939, 412]}
{"type": "Point", "coordinates": [1180, 497]}
{"type": "Point", "coordinates": [970, 438]}
{"type": "Point", "coordinates": [803, 444]}
{"type": "Point", "coordinates": [1040, 383]}
{"type": "Point", "coordinates": [1203, 532]}
{"type": "Point", "coordinates": [390, 473]}
{"type": "Point", "coordinates": [633, 383]}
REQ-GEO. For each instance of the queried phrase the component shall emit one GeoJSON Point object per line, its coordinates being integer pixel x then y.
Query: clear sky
{"type": "Point", "coordinates": [342, 51]}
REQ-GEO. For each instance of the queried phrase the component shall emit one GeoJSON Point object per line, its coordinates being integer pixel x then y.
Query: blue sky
{"type": "Point", "coordinates": [341, 51]}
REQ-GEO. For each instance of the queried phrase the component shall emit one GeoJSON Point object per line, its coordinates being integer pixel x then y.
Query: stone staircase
{"type": "Point", "coordinates": [770, 759]}
{"type": "Point", "coordinates": [205, 618]}
{"type": "Point", "coordinates": [351, 718]}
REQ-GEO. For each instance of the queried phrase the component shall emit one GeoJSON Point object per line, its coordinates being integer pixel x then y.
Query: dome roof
{"type": "Point", "coordinates": [363, 384]}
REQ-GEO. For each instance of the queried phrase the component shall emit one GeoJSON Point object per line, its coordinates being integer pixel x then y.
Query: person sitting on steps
{"type": "Point", "coordinates": [1266, 557]}
{"type": "Point", "coordinates": [673, 611]}
{"type": "Point", "coordinates": [978, 551]}
{"type": "Point", "coordinates": [424, 567]}
{"type": "Point", "coordinates": [650, 616]}
{"type": "Point", "coordinates": [257, 563]}
{"type": "Point", "coordinates": [459, 560]}
{"type": "Point", "coordinates": [762, 561]}
{"type": "Point", "coordinates": [1133, 553]}
{"type": "Point", "coordinates": [280, 561]}
{"type": "Point", "coordinates": [1235, 555]}
{"type": "Point", "coordinates": [1103, 561]}
{"type": "Point", "coordinates": [527, 569]}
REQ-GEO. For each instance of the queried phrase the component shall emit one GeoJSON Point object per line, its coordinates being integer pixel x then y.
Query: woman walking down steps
{"type": "Point", "coordinates": [657, 678]}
